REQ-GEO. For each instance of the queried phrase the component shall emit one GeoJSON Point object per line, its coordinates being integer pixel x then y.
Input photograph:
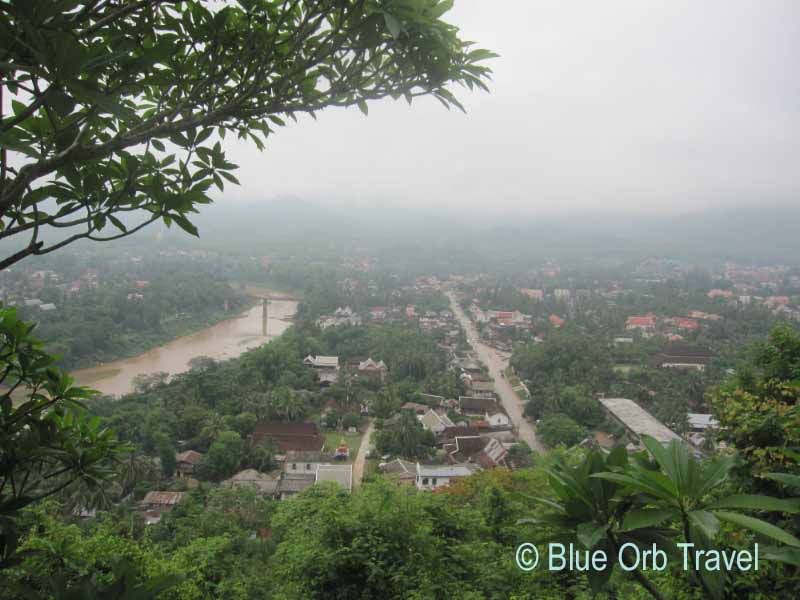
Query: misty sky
{"type": "Point", "coordinates": [654, 106]}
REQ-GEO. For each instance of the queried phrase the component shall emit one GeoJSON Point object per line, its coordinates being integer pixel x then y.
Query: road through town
{"type": "Point", "coordinates": [497, 364]}
{"type": "Point", "coordinates": [361, 457]}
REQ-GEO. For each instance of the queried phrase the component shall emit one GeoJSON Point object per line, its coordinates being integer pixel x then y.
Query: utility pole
{"type": "Point", "coordinates": [264, 303]}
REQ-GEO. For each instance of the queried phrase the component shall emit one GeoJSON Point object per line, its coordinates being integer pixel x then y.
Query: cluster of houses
{"type": "Point", "coordinates": [472, 432]}
{"type": "Point", "coordinates": [327, 368]}
{"type": "Point", "coordinates": [745, 295]}
{"type": "Point", "coordinates": [466, 452]}
{"type": "Point", "coordinates": [673, 328]}
{"type": "Point", "coordinates": [302, 458]}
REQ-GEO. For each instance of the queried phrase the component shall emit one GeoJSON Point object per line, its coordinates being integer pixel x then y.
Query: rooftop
{"type": "Point", "coordinates": [638, 420]}
{"type": "Point", "coordinates": [443, 470]}
{"type": "Point", "coordinates": [341, 474]}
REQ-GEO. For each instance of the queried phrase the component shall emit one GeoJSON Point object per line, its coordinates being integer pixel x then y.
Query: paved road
{"type": "Point", "coordinates": [497, 362]}
{"type": "Point", "coordinates": [361, 457]}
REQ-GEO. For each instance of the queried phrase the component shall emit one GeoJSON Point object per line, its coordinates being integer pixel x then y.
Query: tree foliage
{"type": "Point", "coordinates": [48, 443]}
{"type": "Point", "coordinates": [115, 106]}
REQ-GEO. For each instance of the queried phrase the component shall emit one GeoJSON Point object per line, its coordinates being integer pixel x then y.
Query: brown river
{"type": "Point", "coordinates": [226, 339]}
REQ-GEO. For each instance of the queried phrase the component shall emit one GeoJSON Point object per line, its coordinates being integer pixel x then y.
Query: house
{"type": "Point", "coordinates": [716, 293]}
{"type": "Point", "coordinates": [435, 421]}
{"type": "Point", "coordinates": [533, 294]}
{"type": "Point", "coordinates": [341, 316]}
{"type": "Point", "coordinates": [561, 294]}
{"type": "Point", "coordinates": [481, 389]}
{"type": "Point", "coordinates": [684, 323]}
{"type": "Point", "coordinates": [497, 418]}
{"type": "Point", "coordinates": [433, 399]}
{"type": "Point", "coordinates": [322, 362]}
{"type": "Point", "coordinates": [419, 409]}
{"type": "Point", "coordinates": [403, 471]}
{"type": "Point", "coordinates": [33, 302]}
{"type": "Point", "coordinates": [432, 477]}
{"type": "Point", "coordinates": [467, 365]}
{"type": "Point", "coordinates": [155, 504]}
{"type": "Point", "coordinates": [326, 367]}
{"type": "Point", "coordinates": [637, 421]}
{"type": "Point", "coordinates": [469, 405]}
{"type": "Point", "coordinates": [451, 433]}
{"type": "Point", "coordinates": [699, 422]}
{"type": "Point", "coordinates": [291, 484]}
{"type": "Point", "coordinates": [684, 356]}
{"type": "Point", "coordinates": [47, 307]}
{"type": "Point", "coordinates": [646, 324]}
{"type": "Point", "coordinates": [378, 313]}
{"type": "Point", "coordinates": [484, 451]}
{"type": "Point", "coordinates": [373, 369]}
{"type": "Point", "coordinates": [186, 461]}
{"type": "Point", "coordinates": [556, 321]}
{"type": "Point", "coordinates": [290, 436]}
{"type": "Point", "coordinates": [303, 461]}
{"type": "Point", "coordinates": [698, 314]}
{"type": "Point", "coordinates": [341, 474]}
{"type": "Point", "coordinates": [263, 483]}
{"type": "Point", "coordinates": [327, 378]}
{"type": "Point", "coordinates": [344, 312]}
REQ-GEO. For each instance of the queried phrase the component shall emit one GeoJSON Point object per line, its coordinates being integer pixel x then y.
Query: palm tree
{"type": "Point", "coordinates": [679, 488]}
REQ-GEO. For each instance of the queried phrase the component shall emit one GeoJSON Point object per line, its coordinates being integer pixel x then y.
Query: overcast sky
{"type": "Point", "coordinates": [645, 105]}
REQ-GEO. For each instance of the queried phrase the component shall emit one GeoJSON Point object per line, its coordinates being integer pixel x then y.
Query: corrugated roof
{"type": "Point", "coordinates": [163, 498]}
{"type": "Point", "coordinates": [638, 420]}
{"type": "Point", "coordinates": [341, 474]}
{"type": "Point", "coordinates": [443, 471]}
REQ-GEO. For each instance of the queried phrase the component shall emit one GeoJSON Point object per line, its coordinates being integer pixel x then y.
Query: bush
{"type": "Point", "coordinates": [350, 419]}
{"type": "Point", "coordinates": [558, 428]}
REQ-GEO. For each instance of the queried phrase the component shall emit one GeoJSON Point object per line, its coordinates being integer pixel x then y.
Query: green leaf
{"type": "Point", "coordinates": [784, 478]}
{"type": "Point", "coordinates": [589, 534]}
{"type": "Point", "coordinates": [230, 177]}
{"type": "Point", "coordinates": [646, 517]}
{"type": "Point", "coordinates": [185, 224]}
{"type": "Point", "coordinates": [706, 522]}
{"type": "Point", "coordinates": [362, 105]}
{"type": "Point", "coordinates": [635, 484]}
{"type": "Point", "coordinates": [755, 502]}
{"type": "Point", "coordinates": [759, 526]}
{"type": "Point", "coordinates": [789, 556]}
{"type": "Point", "coordinates": [117, 223]}
{"type": "Point", "coordinates": [157, 145]}
{"type": "Point", "coordinates": [393, 25]}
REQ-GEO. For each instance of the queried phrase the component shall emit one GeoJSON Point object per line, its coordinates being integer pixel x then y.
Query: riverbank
{"type": "Point", "coordinates": [225, 339]}
{"type": "Point", "coordinates": [131, 345]}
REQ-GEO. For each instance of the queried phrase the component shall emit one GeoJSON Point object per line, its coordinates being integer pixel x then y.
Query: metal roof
{"type": "Point", "coordinates": [638, 420]}
{"type": "Point", "coordinates": [341, 474]}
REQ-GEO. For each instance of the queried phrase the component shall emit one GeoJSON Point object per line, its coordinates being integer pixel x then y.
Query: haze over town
{"type": "Point", "coordinates": [666, 107]}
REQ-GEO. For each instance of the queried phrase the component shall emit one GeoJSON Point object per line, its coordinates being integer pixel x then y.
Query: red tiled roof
{"type": "Point", "coordinates": [190, 456]}
{"type": "Point", "coordinates": [641, 322]}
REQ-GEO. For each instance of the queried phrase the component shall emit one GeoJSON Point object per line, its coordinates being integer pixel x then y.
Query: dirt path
{"type": "Point", "coordinates": [361, 457]}
{"type": "Point", "coordinates": [497, 363]}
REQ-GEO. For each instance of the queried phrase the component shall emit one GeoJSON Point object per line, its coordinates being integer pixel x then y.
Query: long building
{"type": "Point", "coordinates": [637, 421]}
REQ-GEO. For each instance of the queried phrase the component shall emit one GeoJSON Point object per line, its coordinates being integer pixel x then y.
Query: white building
{"type": "Point", "coordinates": [341, 474]}
{"type": "Point", "coordinates": [432, 477]}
